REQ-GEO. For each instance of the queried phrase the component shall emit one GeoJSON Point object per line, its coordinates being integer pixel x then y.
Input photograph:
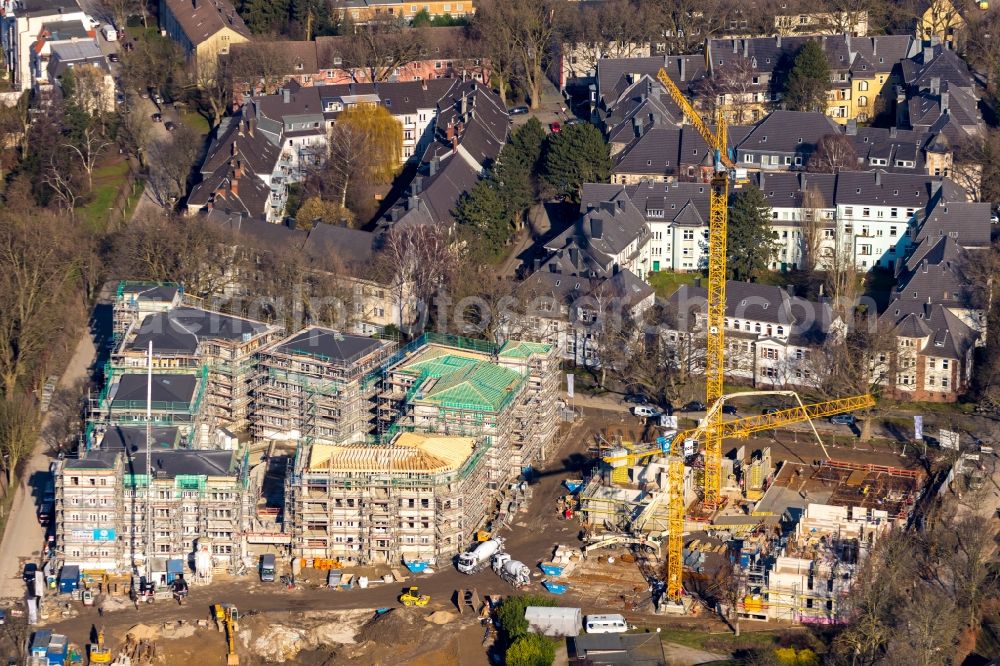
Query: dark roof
{"type": "Point", "coordinates": [616, 75]}
{"type": "Point", "coordinates": [180, 330]}
{"type": "Point", "coordinates": [44, 7]}
{"type": "Point", "coordinates": [891, 145]}
{"type": "Point", "coordinates": [172, 388]}
{"type": "Point", "coordinates": [674, 199]}
{"type": "Point", "coordinates": [635, 649]}
{"type": "Point", "coordinates": [603, 230]}
{"type": "Point", "coordinates": [238, 138]}
{"type": "Point", "coordinates": [786, 190]}
{"type": "Point", "coordinates": [66, 30]}
{"type": "Point", "coordinates": [299, 101]}
{"type": "Point", "coordinates": [201, 19]}
{"type": "Point", "coordinates": [232, 189]}
{"type": "Point", "coordinates": [170, 463]}
{"type": "Point", "coordinates": [792, 132]}
{"type": "Point", "coordinates": [947, 335]}
{"type": "Point", "coordinates": [808, 321]}
{"type": "Point", "coordinates": [133, 438]}
{"type": "Point", "coordinates": [93, 460]}
{"type": "Point", "coordinates": [161, 293]}
{"type": "Point", "coordinates": [946, 66]}
{"type": "Point", "coordinates": [880, 53]}
{"type": "Point", "coordinates": [300, 55]}
{"type": "Point", "coordinates": [328, 344]}
{"type": "Point", "coordinates": [349, 245]}
{"type": "Point", "coordinates": [399, 98]}
{"type": "Point", "coordinates": [879, 188]}
{"type": "Point", "coordinates": [566, 288]}
{"type": "Point", "coordinates": [265, 233]}
{"type": "Point", "coordinates": [965, 221]}
{"type": "Point", "coordinates": [936, 277]}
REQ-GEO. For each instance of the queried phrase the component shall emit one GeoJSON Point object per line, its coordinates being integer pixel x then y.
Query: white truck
{"type": "Point", "coordinates": [478, 558]}
{"type": "Point", "coordinates": [513, 571]}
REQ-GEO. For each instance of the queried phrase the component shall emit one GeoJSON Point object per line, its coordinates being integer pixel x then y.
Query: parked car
{"type": "Point", "coordinates": [156, 98]}
{"type": "Point", "coordinates": [92, 23]}
{"type": "Point", "coordinates": [113, 57]}
{"type": "Point", "coordinates": [169, 126]}
{"type": "Point", "coordinates": [842, 419]}
{"type": "Point", "coordinates": [645, 411]}
{"type": "Point", "coordinates": [693, 406]}
{"type": "Point", "coordinates": [157, 118]}
{"type": "Point", "coordinates": [554, 127]}
{"type": "Point", "coordinates": [574, 121]}
{"type": "Point", "coordinates": [730, 409]}
{"type": "Point", "coordinates": [636, 398]}
{"type": "Point", "coordinates": [30, 570]}
{"type": "Point", "coordinates": [518, 111]}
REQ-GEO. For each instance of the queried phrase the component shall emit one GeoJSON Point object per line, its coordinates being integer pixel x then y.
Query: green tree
{"type": "Point", "coordinates": [511, 614]}
{"type": "Point", "coordinates": [528, 140]}
{"type": "Point", "coordinates": [531, 650]}
{"type": "Point", "coordinates": [484, 220]}
{"type": "Point", "coordinates": [576, 155]}
{"type": "Point", "coordinates": [809, 81]}
{"type": "Point", "coordinates": [750, 242]}
{"type": "Point", "coordinates": [513, 180]}
{"type": "Point", "coordinates": [264, 16]}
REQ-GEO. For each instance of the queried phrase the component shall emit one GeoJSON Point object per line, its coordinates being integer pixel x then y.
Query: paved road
{"type": "Point", "coordinates": [23, 537]}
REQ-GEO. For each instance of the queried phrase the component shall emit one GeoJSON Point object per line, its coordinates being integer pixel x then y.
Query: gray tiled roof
{"type": "Point", "coordinates": [201, 20]}
{"type": "Point", "coordinates": [399, 98]}
{"type": "Point", "coordinates": [965, 221]}
{"type": "Point", "coordinates": [604, 230]}
{"type": "Point", "coordinates": [328, 344]}
{"type": "Point", "coordinates": [173, 388]}
{"type": "Point", "coordinates": [351, 245]}
{"type": "Point", "coordinates": [789, 132]}
{"type": "Point", "coordinates": [171, 463]}
{"type": "Point", "coordinates": [180, 330]}
{"type": "Point", "coordinates": [222, 189]}
{"type": "Point", "coordinates": [786, 190]}
{"type": "Point", "coordinates": [238, 137]}
{"type": "Point", "coordinates": [947, 336]}
{"type": "Point", "coordinates": [885, 189]}
{"type": "Point", "coordinates": [946, 66]}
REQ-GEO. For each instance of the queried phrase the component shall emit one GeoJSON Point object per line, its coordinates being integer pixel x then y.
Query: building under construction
{"type": "Point", "coordinates": [318, 386]}
{"type": "Point", "coordinates": [196, 498]}
{"type": "Point", "coordinates": [188, 340]}
{"type": "Point", "coordinates": [456, 386]}
{"type": "Point", "coordinates": [418, 498]}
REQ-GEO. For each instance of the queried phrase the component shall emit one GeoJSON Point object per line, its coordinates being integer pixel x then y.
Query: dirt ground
{"type": "Point", "coordinates": [271, 609]}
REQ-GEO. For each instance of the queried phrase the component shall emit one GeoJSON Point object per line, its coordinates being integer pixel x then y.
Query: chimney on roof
{"type": "Point", "coordinates": [412, 202]}
{"type": "Point", "coordinates": [878, 178]}
{"type": "Point", "coordinates": [777, 41]}
{"type": "Point", "coordinates": [234, 184]}
{"type": "Point", "coordinates": [649, 89]}
{"type": "Point", "coordinates": [250, 125]}
{"type": "Point", "coordinates": [621, 204]}
{"type": "Point", "coordinates": [596, 228]}
{"type": "Point", "coordinates": [238, 172]}
{"type": "Point", "coordinates": [423, 84]}
{"type": "Point", "coordinates": [454, 144]}
{"type": "Point", "coordinates": [935, 187]}
{"type": "Point", "coordinates": [574, 255]}
{"type": "Point", "coordinates": [852, 127]}
{"type": "Point", "coordinates": [736, 46]}
{"type": "Point", "coordinates": [682, 65]}
{"type": "Point", "coordinates": [286, 95]}
{"type": "Point", "coordinates": [418, 180]}
{"type": "Point", "coordinates": [435, 163]}
{"type": "Point", "coordinates": [449, 131]}
{"type": "Point", "coordinates": [935, 85]}
{"type": "Point", "coordinates": [893, 132]}
{"type": "Point", "coordinates": [463, 105]}
{"type": "Point", "coordinates": [874, 46]}
{"type": "Point", "coordinates": [944, 102]}
{"type": "Point", "coordinates": [746, 48]}
{"type": "Point", "coordinates": [928, 54]}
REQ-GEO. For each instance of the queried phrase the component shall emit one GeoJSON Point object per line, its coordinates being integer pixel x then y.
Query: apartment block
{"type": "Point", "coordinates": [471, 388]}
{"type": "Point", "coordinates": [196, 498]}
{"type": "Point", "coordinates": [317, 386]}
{"type": "Point", "coordinates": [193, 340]}
{"type": "Point", "coordinates": [419, 498]}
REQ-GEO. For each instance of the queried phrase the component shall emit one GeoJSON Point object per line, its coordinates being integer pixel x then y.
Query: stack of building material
{"type": "Point", "coordinates": [564, 561]}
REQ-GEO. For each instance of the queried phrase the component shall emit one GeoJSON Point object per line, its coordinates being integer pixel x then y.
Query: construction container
{"type": "Point", "coordinates": [69, 579]}
{"type": "Point", "coordinates": [175, 568]}
{"type": "Point", "coordinates": [554, 621]}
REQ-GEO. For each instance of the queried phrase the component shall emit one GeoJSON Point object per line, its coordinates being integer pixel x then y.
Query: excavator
{"type": "Point", "coordinates": [227, 619]}
{"type": "Point", "coordinates": [99, 652]}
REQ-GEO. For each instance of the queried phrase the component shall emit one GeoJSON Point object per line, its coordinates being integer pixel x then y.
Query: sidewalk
{"type": "Point", "coordinates": [23, 537]}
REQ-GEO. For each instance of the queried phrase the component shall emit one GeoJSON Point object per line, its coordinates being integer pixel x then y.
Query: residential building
{"type": "Point", "coordinates": [445, 53]}
{"type": "Point", "coordinates": [362, 11]}
{"type": "Point", "coordinates": [315, 386]}
{"type": "Point", "coordinates": [420, 498]}
{"type": "Point", "coordinates": [472, 127]}
{"type": "Point", "coordinates": [940, 95]}
{"type": "Point", "coordinates": [205, 29]}
{"type": "Point", "coordinates": [80, 56]}
{"type": "Point", "coordinates": [504, 394]}
{"type": "Point", "coordinates": [198, 498]}
{"type": "Point", "coordinates": [186, 339]}
{"type": "Point", "coordinates": [773, 338]}
{"type": "Point", "coordinates": [22, 26]}
{"type": "Point", "coordinates": [946, 20]}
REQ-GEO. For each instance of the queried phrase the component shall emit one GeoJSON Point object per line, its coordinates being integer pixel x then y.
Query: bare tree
{"type": "Point", "coordinates": [733, 90]}
{"type": "Point", "coordinates": [683, 26]}
{"type": "Point", "coordinates": [258, 66]}
{"type": "Point", "coordinates": [92, 92]}
{"type": "Point", "coordinates": [415, 260]}
{"type": "Point", "coordinates": [833, 153]}
{"type": "Point", "coordinates": [533, 32]}
{"type": "Point", "coordinates": [38, 273]}
{"type": "Point", "coordinates": [89, 148]}
{"type": "Point", "coordinates": [121, 10]}
{"type": "Point", "coordinates": [615, 29]}
{"type": "Point", "coordinates": [171, 161]}
{"type": "Point", "coordinates": [494, 31]}
{"type": "Point", "coordinates": [813, 227]}
{"type": "Point", "coordinates": [381, 45]}
{"type": "Point", "coordinates": [19, 428]}
{"type": "Point", "coordinates": [64, 184]}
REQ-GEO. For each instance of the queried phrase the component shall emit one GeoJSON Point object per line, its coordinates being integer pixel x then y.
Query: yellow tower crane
{"type": "Point", "coordinates": [718, 203]}
{"type": "Point", "coordinates": [716, 428]}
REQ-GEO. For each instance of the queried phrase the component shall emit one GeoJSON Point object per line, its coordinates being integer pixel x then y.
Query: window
{"type": "Point", "coordinates": [862, 101]}
{"type": "Point", "coordinates": [771, 354]}
{"type": "Point", "coordinates": [866, 212]}
{"type": "Point", "coordinates": [849, 211]}
{"type": "Point", "coordinates": [862, 86]}
{"type": "Point", "coordinates": [689, 234]}
{"type": "Point", "coordinates": [944, 364]}
{"type": "Point", "coordinates": [748, 158]}
{"type": "Point", "coordinates": [944, 382]}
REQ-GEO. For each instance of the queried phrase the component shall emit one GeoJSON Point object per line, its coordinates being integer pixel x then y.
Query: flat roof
{"type": "Point", "coordinates": [329, 345]}
{"type": "Point", "coordinates": [177, 389]}
{"type": "Point", "coordinates": [133, 438]}
{"type": "Point", "coordinates": [410, 452]}
{"type": "Point", "coordinates": [180, 329]}
{"type": "Point", "coordinates": [176, 462]}
{"type": "Point", "coordinates": [151, 292]}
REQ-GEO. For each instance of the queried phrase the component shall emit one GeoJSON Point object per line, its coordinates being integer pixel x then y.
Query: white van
{"type": "Point", "coordinates": [644, 410]}
{"type": "Point", "coordinates": [605, 624]}
{"type": "Point", "coordinates": [109, 32]}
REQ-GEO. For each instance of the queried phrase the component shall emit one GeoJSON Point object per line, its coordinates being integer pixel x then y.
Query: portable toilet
{"type": "Point", "coordinates": [175, 568]}
{"type": "Point", "coordinates": [69, 579]}
{"type": "Point", "coordinates": [58, 646]}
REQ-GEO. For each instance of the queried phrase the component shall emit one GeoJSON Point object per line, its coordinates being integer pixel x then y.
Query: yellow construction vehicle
{"type": "Point", "coordinates": [483, 535]}
{"type": "Point", "coordinates": [412, 597]}
{"type": "Point", "coordinates": [227, 619]}
{"type": "Point", "coordinates": [99, 652]}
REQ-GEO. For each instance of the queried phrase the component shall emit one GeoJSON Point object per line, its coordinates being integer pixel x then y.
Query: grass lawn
{"type": "Point", "coordinates": [108, 182]}
{"type": "Point", "coordinates": [666, 283]}
{"type": "Point", "coordinates": [195, 121]}
{"type": "Point", "coordinates": [719, 642]}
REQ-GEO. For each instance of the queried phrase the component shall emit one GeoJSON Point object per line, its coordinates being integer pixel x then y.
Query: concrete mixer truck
{"type": "Point", "coordinates": [479, 558]}
{"type": "Point", "coordinates": [513, 571]}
